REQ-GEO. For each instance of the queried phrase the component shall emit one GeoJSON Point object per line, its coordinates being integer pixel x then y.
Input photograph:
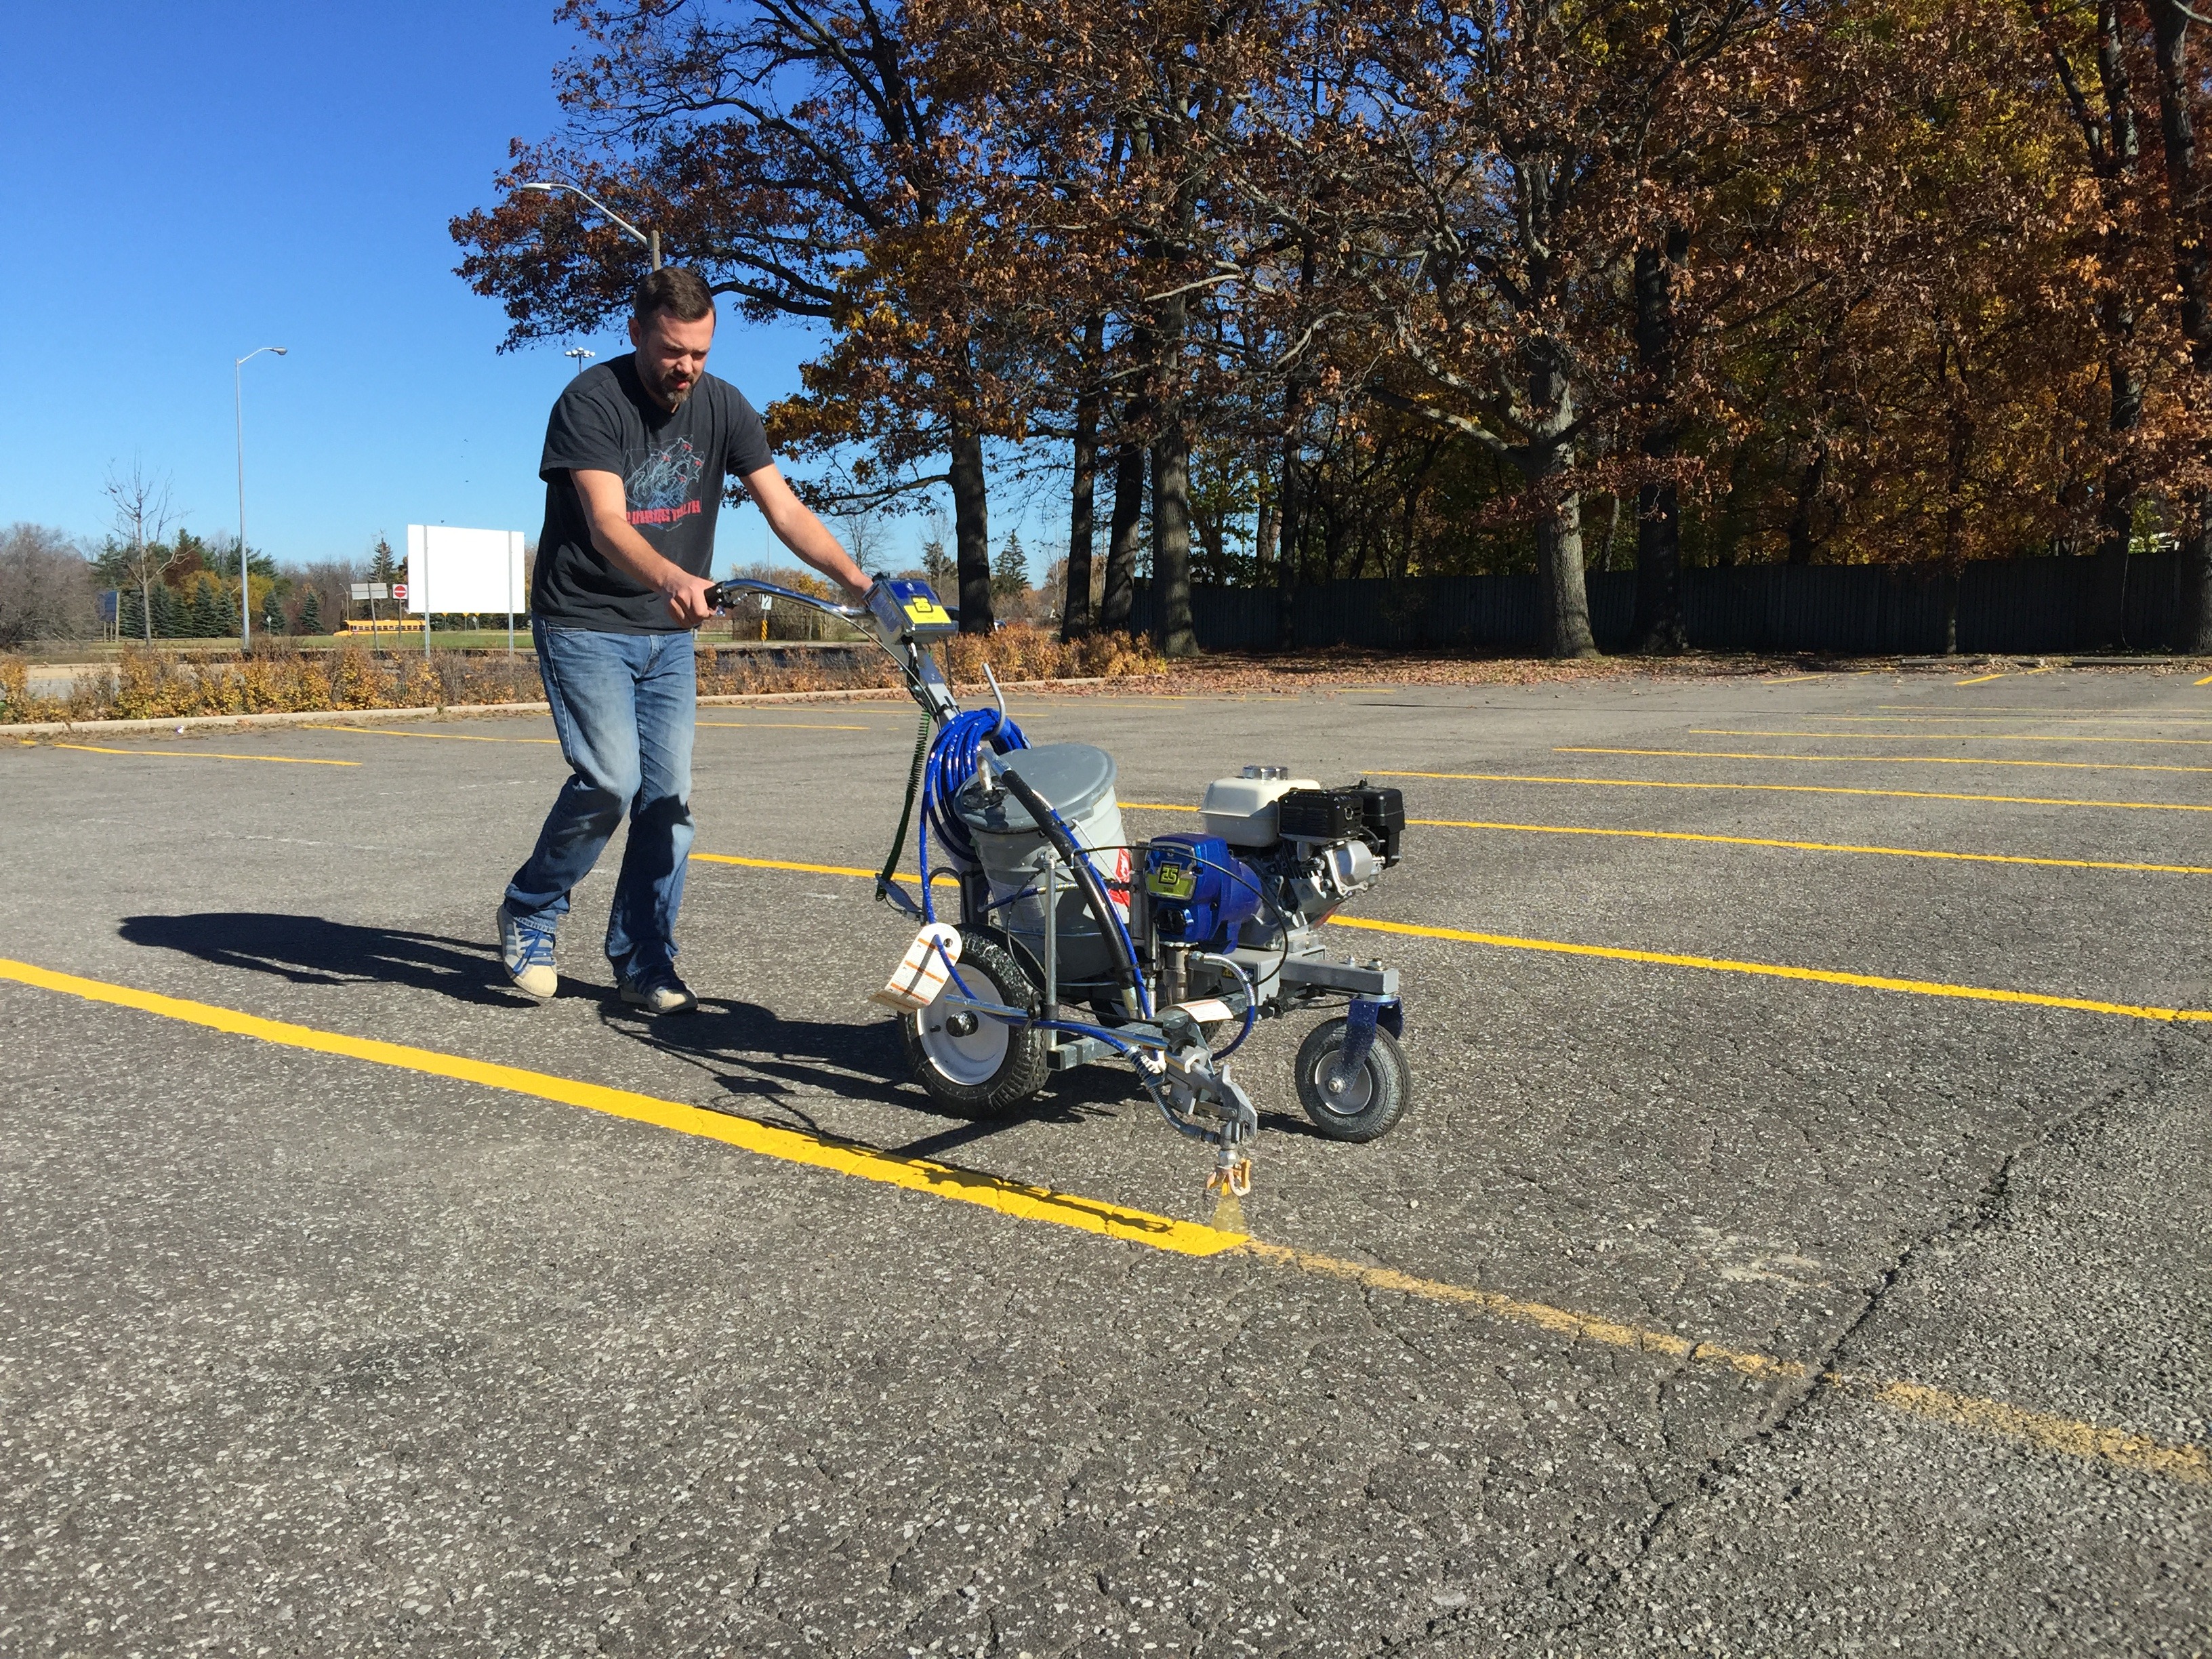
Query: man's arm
{"type": "Point", "coordinates": [798, 529]}
{"type": "Point", "coordinates": [606, 508]}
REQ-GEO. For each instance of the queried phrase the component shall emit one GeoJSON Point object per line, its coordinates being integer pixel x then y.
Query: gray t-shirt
{"type": "Point", "coordinates": [673, 468]}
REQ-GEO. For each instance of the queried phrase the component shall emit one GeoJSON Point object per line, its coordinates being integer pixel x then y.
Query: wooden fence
{"type": "Point", "coordinates": [2025, 606]}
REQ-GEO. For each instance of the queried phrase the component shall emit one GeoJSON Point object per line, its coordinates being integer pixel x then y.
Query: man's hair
{"type": "Point", "coordinates": [672, 289]}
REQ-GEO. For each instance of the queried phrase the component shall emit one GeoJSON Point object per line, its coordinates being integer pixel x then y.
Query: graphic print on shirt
{"type": "Point", "coordinates": [660, 487]}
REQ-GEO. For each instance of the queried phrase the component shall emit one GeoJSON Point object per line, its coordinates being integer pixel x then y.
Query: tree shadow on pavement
{"type": "Point", "coordinates": [310, 951]}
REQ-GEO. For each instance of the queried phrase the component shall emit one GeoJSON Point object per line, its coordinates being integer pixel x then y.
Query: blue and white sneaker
{"type": "Point", "coordinates": [528, 952]}
{"type": "Point", "coordinates": [658, 991]}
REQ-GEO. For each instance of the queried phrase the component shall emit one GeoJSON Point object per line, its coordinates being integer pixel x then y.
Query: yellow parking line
{"type": "Point", "coordinates": [1815, 846]}
{"type": "Point", "coordinates": [1893, 760]}
{"type": "Point", "coordinates": [1950, 737]}
{"type": "Point", "coordinates": [442, 737]}
{"type": "Point", "coordinates": [203, 754]}
{"type": "Point", "coordinates": [1980, 679]}
{"type": "Point", "coordinates": [1618, 953]}
{"type": "Point", "coordinates": [2207, 680]}
{"type": "Point", "coordinates": [1018, 1200]}
{"type": "Point", "coordinates": [1756, 841]}
{"type": "Point", "coordinates": [939, 880]}
{"type": "Point", "coordinates": [791, 726]}
{"type": "Point", "coordinates": [2026, 711]}
{"type": "Point", "coordinates": [1779, 970]}
{"type": "Point", "coordinates": [1803, 789]}
{"type": "Point", "coordinates": [1794, 679]}
{"type": "Point", "coordinates": [1010, 1198]}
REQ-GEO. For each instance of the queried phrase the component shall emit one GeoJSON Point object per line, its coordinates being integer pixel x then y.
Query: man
{"type": "Point", "coordinates": [636, 454]}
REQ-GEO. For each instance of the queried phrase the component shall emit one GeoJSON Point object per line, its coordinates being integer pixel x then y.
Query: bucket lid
{"type": "Point", "coordinates": [1072, 777]}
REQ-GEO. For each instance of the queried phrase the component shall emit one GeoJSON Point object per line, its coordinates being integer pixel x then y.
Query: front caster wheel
{"type": "Point", "coordinates": [970, 1061]}
{"type": "Point", "coordinates": [1365, 1106]}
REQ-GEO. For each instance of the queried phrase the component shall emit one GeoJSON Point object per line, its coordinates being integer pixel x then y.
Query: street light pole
{"type": "Point", "coordinates": [649, 240]}
{"type": "Point", "coordinates": [245, 565]}
{"type": "Point", "coordinates": [578, 356]}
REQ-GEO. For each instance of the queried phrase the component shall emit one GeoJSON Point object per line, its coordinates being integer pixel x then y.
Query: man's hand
{"type": "Point", "coordinates": [686, 595]}
{"type": "Point", "coordinates": [636, 557]}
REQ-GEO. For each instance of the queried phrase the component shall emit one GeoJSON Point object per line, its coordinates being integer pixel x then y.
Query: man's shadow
{"type": "Point", "coordinates": [310, 950]}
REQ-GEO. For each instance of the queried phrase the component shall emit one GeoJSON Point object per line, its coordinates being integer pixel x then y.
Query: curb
{"type": "Point", "coordinates": [328, 716]}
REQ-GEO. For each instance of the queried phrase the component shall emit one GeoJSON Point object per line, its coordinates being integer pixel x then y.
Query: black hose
{"type": "Point", "coordinates": [1093, 890]}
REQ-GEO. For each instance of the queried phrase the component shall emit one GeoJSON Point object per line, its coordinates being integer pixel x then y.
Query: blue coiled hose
{"type": "Point", "coordinates": [953, 756]}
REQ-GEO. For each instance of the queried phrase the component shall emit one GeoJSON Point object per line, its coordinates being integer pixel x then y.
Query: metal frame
{"type": "Point", "coordinates": [1173, 1061]}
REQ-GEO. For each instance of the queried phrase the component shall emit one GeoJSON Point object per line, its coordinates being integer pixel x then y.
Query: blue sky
{"type": "Point", "coordinates": [184, 183]}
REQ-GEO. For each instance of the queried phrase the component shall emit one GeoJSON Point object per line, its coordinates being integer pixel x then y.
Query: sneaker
{"type": "Point", "coordinates": [528, 952]}
{"type": "Point", "coordinates": [658, 991]}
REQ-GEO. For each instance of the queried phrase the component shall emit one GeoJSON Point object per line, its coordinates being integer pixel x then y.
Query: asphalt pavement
{"type": "Point", "coordinates": [1797, 1243]}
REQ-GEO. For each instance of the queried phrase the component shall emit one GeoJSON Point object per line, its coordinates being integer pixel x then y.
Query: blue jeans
{"type": "Point", "coordinates": [624, 705]}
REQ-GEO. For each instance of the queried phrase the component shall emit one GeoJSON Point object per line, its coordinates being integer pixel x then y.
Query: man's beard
{"type": "Point", "coordinates": [668, 393]}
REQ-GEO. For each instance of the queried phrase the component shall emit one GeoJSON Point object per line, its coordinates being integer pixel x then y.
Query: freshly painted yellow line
{"type": "Point", "coordinates": [1018, 1201]}
{"type": "Point", "coordinates": [2207, 680]}
{"type": "Point", "coordinates": [1893, 760]}
{"type": "Point", "coordinates": [1979, 679]}
{"type": "Point", "coordinates": [791, 726]}
{"type": "Point", "coordinates": [1949, 736]}
{"type": "Point", "coordinates": [442, 737]}
{"type": "Point", "coordinates": [1794, 679]}
{"type": "Point", "coordinates": [1924, 988]}
{"type": "Point", "coordinates": [1801, 789]}
{"type": "Point", "coordinates": [204, 754]}
{"type": "Point", "coordinates": [1021, 1201]}
{"type": "Point", "coordinates": [1815, 846]}
{"type": "Point", "coordinates": [1008, 1198]}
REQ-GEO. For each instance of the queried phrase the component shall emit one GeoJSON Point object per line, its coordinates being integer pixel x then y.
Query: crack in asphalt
{"type": "Point", "coordinates": [1989, 1210]}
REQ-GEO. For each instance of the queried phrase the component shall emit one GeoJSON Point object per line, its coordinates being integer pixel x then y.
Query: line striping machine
{"type": "Point", "coordinates": [1074, 944]}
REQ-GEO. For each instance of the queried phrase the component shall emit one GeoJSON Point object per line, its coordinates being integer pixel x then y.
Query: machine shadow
{"type": "Point", "coordinates": [751, 1051]}
{"type": "Point", "coordinates": [312, 951]}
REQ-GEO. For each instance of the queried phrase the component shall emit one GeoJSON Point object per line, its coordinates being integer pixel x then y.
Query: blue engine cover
{"type": "Point", "coordinates": [1198, 894]}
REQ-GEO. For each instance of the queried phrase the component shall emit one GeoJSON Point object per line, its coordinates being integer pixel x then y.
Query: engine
{"type": "Point", "coordinates": [1310, 848]}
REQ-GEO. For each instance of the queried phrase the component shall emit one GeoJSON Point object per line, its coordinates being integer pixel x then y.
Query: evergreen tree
{"type": "Point", "coordinates": [310, 613]}
{"type": "Point", "coordinates": [203, 615]}
{"type": "Point", "coordinates": [937, 567]}
{"type": "Point", "coordinates": [383, 565]}
{"type": "Point", "coordinates": [224, 604]}
{"type": "Point", "coordinates": [272, 616]}
{"type": "Point", "coordinates": [1009, 571]}
{"type": "Point", "coordinates": [166, 622]}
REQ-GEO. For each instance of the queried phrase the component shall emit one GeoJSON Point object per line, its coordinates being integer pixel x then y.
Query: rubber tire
{"type": "Point", "coordinates": [1389, 1084]}
{"type": "Point", "coordinates": [984, 954]}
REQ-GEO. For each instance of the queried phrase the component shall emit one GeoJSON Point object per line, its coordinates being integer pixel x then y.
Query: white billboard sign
{"type": "Point", "coordinates": [450, 569]}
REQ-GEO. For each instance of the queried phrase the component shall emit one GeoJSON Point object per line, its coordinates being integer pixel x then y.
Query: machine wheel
{"type": "Point", "coordinates": [1369, 1103]}
{"type": "Point", "coordinates": [969, 1062]}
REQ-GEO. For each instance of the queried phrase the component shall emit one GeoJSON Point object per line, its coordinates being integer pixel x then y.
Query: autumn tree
{"type": "Point", "coordinates": [793, 152]}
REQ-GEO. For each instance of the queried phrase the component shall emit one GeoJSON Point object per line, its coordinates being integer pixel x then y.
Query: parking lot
{"type": "Point", "coordinates": [1797, 1243]}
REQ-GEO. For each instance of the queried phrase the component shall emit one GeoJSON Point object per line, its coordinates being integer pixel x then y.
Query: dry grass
{"type": "Point", "coordinates": [160, 684]}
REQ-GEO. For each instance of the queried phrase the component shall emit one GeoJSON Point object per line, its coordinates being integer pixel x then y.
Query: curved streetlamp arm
{"type": "Point", "coordinates": [650, 242]}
